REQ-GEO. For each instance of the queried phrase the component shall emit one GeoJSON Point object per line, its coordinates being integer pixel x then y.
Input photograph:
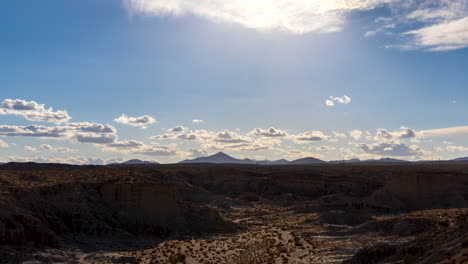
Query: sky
{"type": "Point", "coordinates": [101, 81]}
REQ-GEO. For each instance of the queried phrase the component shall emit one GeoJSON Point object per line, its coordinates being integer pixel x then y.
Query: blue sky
{"type": "Point", "coordinates": [390, 67]}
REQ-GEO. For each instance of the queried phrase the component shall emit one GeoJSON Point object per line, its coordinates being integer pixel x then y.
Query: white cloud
{"type": "Point", "coordinates": [339, 135]}
{"type": "Point", "coordinates": [383, 134]}
{"type": "Point", "coordinates": [197, 121]}
{"type": "Point", "coordinates": [164, 136]}
{"type": "Point", "coordinates": [444, 36]}
{"type": "Point", "coordinates": [95, 138]}
{"type": "Point", "coordinates": [407, 133]}
{"type": "Point", "coordinates": [370, 33]}
{"type": "Point", "coordinates": [82, 132]}
{"type": "Point", "coordinates": [33, 131]}
{"type": "Point", "coordinates": [438, 149]}
{"type": "Point", "coordinates": [142, 121]}
{"type": "Point", "coordinates": [294, 16]}
{"type": "Point", "coordinates": [196, 153]}
{"type": "Point", "coordinates": [230, 137]}
{"type": "Point", "coordinates": [177, 129]}
{"type": "Point", "coordinates": [452, 148]}
{"type": "Point", "coordinates": [439, 24]}
{"type": "Point", "coordinates": [341, 100]}
{"type": "Point", "coordinates": [356, 134]}
{"type": "Point", "coordinates": [310, 136]}
{"type": "Point", "coordinates": [271, 132]}
{"type": "Point", "coordinates": [33, 111]}
{"type": "Point", "coordinates": [45, 147]}
{"type": "Point", "coordinates": [158, 151]}
{"type": "Point", "coordinates": [30, 149]}
{"type": "Point", "coordinates": [187, 136]}
{"type": "Point", "coordinates": [48, 147]}
{"type": "Point", "coordinates": [445, 132]}
{"type": "Point", "coordinates": [391, 149]}
{"type": "Point", "coordinates": [404, 133]}
{"type": "Point", "coordinates": [323, 148]}
{"type": "Point", "coordinates": [63, 150]}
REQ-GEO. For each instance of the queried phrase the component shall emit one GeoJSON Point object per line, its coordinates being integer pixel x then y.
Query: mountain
{"type": "Point", "coordinates": [279, 162]}
{"type": "Point", "coordinates": [460, 159]}
{"type": "Point", "coordinates": [219, 158]}
{"type": "Point", "coordinates": [345, 161]}
{"type": "Point", "coordinates": [271, 162]}
{"type": "Point", "coordinates": [308, 160]}
{"type": "Point", "coordinates": [385, 160]}
{"type": "Point", "coordinates": [137, 161]}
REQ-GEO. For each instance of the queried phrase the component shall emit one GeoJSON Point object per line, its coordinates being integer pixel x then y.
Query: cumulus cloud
{"type": "Point", "coordinates": [452, 148]}
{"type": "Point", "coordinates": [340, 100]}
{"type": "Point", "coordinates": [383, 134]}
{"type": "Point", "coordinates": [310, 136]}
{"type": "Point", "coordinates": [235, 141]}
{"type": "Point", "coordinates": [187, 136]}
{"type": "Point", "coordinates": [164, 136]}
{"type": "Point", "coordinates": [404, 133]}
{"type": "Point", "coordinates": [356, 134]}
{"type": "Point", "coordinates": [230, 137]}
{"type": "Point", "coordinates": [407, 133]}
{"type": "Point", "coordinates": [29, 149]}
{"type": "Point", "coordinates": [271, 132]}
{"type": "Point", "coordinates": [158, 151]}
{"type": "Point", "coordinates": [127, 144]}
{"type": "Point", "coordinates": [48, 147]}
{"type": "Point", "coordinates": [323, 148]}
{"type": "Point", "coordinates": [391, 149]}
{"type": "Point", "coordinates": [33, 131]}
{"type": "Point", "coordinates": [63, 149]}
{"type": "Point", "coordinates": [177, 129]}
{"type": "Point", "coordinates": [83, 132]}
{"type": "Point", "coordinates": [95, 138]}
{"type": "Point", "coordinates": [339, 134]}
{"type": "Point", "coordinates": [142, 121]}
{"type": "Point", "coordinates": [33, 111]}
{"type": "Point", "coordinates": [45, 147]}
{"type": "Point", "coordinates": [197, 121]}
{"type": "Point", "coordinates": [196, 153]}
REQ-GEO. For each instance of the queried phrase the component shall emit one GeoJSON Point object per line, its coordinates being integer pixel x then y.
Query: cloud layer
{"type": "Point", "coordinates": [294, 16]}
{"type": "Point", "coordinates": [33, 111]}
{"type": "Point", "coordinates": [142, 121]}
{"type": "Point", "coordinates": [435, 25]}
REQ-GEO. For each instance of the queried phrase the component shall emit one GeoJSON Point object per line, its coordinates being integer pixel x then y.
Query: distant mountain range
{"type": "Point", "coordinates": [137, 162]}
{"type": "Point", "coordinates": [223, 158]}
{"type": "Point", "coordinates": [461, 159]}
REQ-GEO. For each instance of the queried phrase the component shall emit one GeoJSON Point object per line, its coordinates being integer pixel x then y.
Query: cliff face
{"type": "Point", "coordinates": [99, 205]}
{"type": "Point", "coordinates": [153, 205]}
{"type": "Point", "coordinates": [149, 204]}
{"type": "Point", "coordinates": [423, 190]}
